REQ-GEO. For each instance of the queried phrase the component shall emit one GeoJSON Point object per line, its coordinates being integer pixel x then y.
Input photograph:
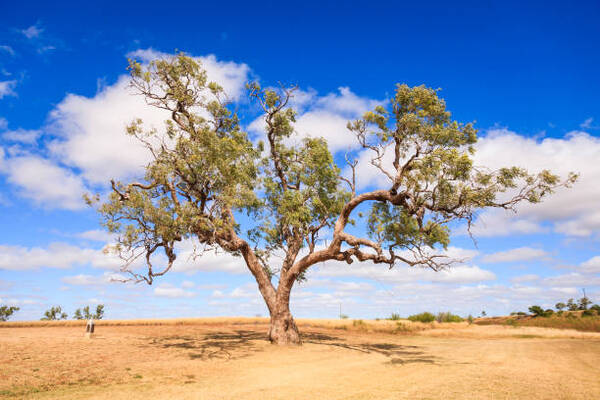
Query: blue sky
{"type": "Point", "coordinates": [527, 74]}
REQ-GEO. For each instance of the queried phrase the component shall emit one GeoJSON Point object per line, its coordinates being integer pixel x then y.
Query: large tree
{"type": "Point", "coordinates": [206, 175]}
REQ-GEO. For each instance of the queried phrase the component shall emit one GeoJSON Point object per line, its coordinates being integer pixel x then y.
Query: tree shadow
{"type": "Point", "coordinates": [243, 343]}
{"type": "Point", "coordinates": [398, 354]}
{"type": "Point", "coordinates": [216, 345]}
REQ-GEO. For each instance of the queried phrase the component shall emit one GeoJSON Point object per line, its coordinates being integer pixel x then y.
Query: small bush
{"type": "Point", "coordinates": [470, 319]}
{"type": "Point", "coordinates": [588, 313]}
{"type": "Point", "coordinates": [447, 317]}
{"type": "Point", "coordinates": [343, 316]}
{"type": "Point", "coordinates": [422, 317]}
{"type": "Point", "coordinates": [395, 317]}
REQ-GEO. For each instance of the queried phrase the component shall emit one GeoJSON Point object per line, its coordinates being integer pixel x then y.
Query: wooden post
{"type": "Point", "coordinates": [89, 328]}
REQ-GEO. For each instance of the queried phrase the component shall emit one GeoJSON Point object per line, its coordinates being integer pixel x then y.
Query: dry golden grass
{"type": "Point", "coordinates": [223, 358]}
{"type": "Point", "coordinates": [568, 320]}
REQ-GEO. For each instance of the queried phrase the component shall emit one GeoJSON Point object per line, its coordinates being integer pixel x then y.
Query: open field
{"type": "Point", "coordinates": [220, 358]}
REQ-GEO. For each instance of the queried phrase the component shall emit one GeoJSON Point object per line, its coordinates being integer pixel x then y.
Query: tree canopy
{"type": "Point", "coordinates": [207, 173]}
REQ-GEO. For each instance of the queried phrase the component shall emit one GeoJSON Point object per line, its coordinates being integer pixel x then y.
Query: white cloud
{"type": "Point", "coordinates": [93, 280]}
{"type": "Point", "coordinates": [571, 211]}
{"type": "Point", "coordinates": [325, 116]}
{"type": "Point", "coordinates": [44, 182]}
{"type": "Point", "coordinates": [525, 278]}
{"type": "Point", "coordinates": [167, 290]}
{"type": "Point", "coordinates": [400, 274]}
{"type": "Point", "coordinates": [91, 131]}
{"type": "Point", "coordinates": [33, 31]}
{"type": "Point", "coordinates": [587, 124]}
{"type": "Point", "coordinates": [27, 136]}
{"type": "Point", "coordinates": [56, 255]}
{"type": "Point", "coordinates": [96, 235]}
{"type": "Point", "coordinates": [592, 265]}
{"type": "Point", "coordinates": [518, 254]}
{"type": "Point", "coordinates": [3, 123]}
{"type": "Point", "coordinates": [6, 88]}
{"type": "Point", "coordinates": [187, 284]}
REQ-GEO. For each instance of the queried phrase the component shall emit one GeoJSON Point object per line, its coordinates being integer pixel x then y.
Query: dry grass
{"type": "Point", "coordinates": [220, 358]}
{"type": "Point", "coordinates": [569, 320]}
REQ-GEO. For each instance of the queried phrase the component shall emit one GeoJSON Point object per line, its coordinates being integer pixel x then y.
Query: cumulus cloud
{"type": "Point", "coordinates": [518, 254]}
{"type": "Point", "coordinates": [570, 211]}
{"type": "Point", "coordinates": [325, 116]}
{"type": "Point", "coordinates": [47, 184]}
{"type": "Point", "coordinates": [91, 130]}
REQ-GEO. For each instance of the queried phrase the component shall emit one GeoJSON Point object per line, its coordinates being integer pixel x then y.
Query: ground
{"type": "Point", "coordinates": [231, 359]}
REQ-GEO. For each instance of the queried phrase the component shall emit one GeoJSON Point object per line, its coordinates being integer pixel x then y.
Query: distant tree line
{"type": "Point", "coordinates": [583, 304]}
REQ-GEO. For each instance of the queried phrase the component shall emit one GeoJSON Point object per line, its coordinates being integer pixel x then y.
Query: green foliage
{"type": "Point", "coordinates": [583, 303]}
{"type": "Point", "coordinates": [7, 311]}
{"type": "Point", "coordinates": [343, 316]}
{"type": "Point", "coordinates": [571, 305]}
{"type": "Point", "coordinates": [596, 308]}
{"type": "Point", "coordinates": [54, 313]}
{"type": "Point", "coordinates": [588, 313]}
{"type": "Point", "coordinates": [560, 306]}
{"type": "Point", "coordinates": [86, 314]}
{"type": "Point", "coordinates": [205, 173]}
{"type": "Point", "coordinates": [395, 317]}
{"type": "Point", "coordinates": [422, 317]}
{"type": "Point", "coordinates": [447, 317]}
{"type": "Point", "coordinates": [538, 311]}
{"type": "Point", "coordinates": [470, 319]}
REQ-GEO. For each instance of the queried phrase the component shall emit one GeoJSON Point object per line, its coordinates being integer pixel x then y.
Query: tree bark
{"type": "Point", "coordinates": [283, 329]}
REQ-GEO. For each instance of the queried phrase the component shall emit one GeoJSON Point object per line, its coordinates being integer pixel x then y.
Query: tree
{"type": "Point", "coordinates": [571, 305]}
{"type": "Point", "coordinates": [560, 306]}
{"type": "Point", "coordinates": [537, 311]}
{"type": "Point", "coordinates": [86, 314]}
{"type": "Point", "coordinates": [206, 175]}
{"type": "Point", "coordinates": [6, 312]}
{"type": "Point", "coordinates": [54, 313]}
{"type": "Point", "coordinates": [584, 303]}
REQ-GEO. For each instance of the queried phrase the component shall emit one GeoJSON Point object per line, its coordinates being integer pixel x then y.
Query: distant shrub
{"type": "Point", "coordinates": [359, 323]}
{"type": "Point", "coordinates": [422, 317]}
{"type": "Point", "coordinates": [470, 319]}
{"type": "Point", "coordinates": [588, 313]}
{"type": "Point", "coordinates": [548, 312]}
{"type": "Point", "coordinates": [596, 308]}
{"type": "Point", "coordinates": [395, 317]}
{"type": "Point", "coordinates": [343, 316]}
{"type": "Point", "coordinates": [447, 317]}
{"type": "Point", "coordinates": [401, 328]}
{"type": "Point", "coordinates": [536, 311]}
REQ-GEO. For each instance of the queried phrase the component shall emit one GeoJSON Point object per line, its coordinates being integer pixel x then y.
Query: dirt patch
{"type": "Point", "coordinates": [233, 361]}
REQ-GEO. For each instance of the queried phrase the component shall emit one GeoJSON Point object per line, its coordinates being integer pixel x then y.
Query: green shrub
{"type": "Point", "coordinates": [395, 317]}
{"type": "Point", "coordinates": [470, 319]}
{"type": "Point", "coordinates": [447, 317]}
{"type": "Point", "coordinates": [422, 317]}
{"type": "Point", "coordinates": [588, 313]}
{"type": "Point", "coordinates": [343, 316]}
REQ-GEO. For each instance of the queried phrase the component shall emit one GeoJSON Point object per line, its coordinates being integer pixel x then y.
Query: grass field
{"type": "Point", "coordinates": [225, 358]}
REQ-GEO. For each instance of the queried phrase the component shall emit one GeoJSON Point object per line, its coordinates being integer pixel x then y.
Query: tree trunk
{"type": "Point", "coordinates": [283, 329]}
